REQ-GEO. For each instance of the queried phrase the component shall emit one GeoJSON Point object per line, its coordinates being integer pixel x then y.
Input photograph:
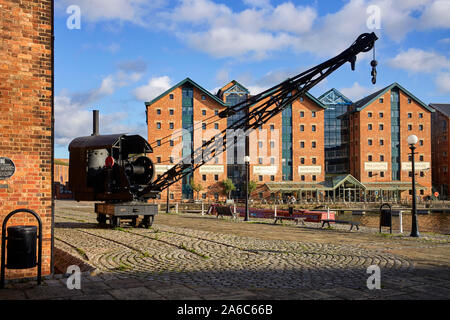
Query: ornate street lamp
{"type": "Point", "coordinates": [247, 166]}
{"type": "Point", "coordinates": [412, 141]}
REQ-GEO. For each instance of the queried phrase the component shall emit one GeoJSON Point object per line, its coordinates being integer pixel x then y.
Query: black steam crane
{"type": "Point", "coordinates": [116, 170]}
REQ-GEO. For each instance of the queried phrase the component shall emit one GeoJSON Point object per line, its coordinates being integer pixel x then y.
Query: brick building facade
{"type": "Point", "coordinates": [290, 147]}
{"type": "Point", "coordinates": [379, 153]}
{"type": "Point", "coordinates": [26, 111]}
{"type": "Point", "coordinates": [440, 136]}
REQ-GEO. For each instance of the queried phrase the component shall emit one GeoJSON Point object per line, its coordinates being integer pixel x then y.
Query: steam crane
{"type": "Point", "coordinates": [112, 168]}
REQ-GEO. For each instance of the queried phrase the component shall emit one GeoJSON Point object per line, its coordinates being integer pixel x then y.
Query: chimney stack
{"type": "Point", "coordinates": [96, 123]}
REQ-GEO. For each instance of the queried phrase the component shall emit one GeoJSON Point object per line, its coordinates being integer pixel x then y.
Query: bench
{"type": "Point", "coordinates": [352, 223]}
{"type": "Point", "coordinates": [296, 219]}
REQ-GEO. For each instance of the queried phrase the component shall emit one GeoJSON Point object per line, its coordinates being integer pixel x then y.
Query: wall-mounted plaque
{"type": "Point", "coordinates": [7, 168]}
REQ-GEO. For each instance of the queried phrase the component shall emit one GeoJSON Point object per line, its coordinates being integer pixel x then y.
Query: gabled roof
{"type": "Point", "coordinates": [441, 107]}
{"type": "Point", "coordinates": [229, 86]}
{"type": "Point", "coordinates": [363, 103]}
{"type": "Point", "coordinates": [186, 81]}
{"type": "Point", "coordinates": [334, 97]}
{"type": "Point", "coordinates": [339, 180]}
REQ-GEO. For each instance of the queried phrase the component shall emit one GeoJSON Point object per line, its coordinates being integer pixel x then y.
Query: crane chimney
{"type": "Point", "coordinates": [96, 123]}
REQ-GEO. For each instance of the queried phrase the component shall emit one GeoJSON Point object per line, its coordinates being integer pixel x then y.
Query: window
{"type": "Point", "coordinates": [272, 127]}
{"type": "Point", "coordinates": [382, 174]}
{"type": "Point", "coordinates": [260, 178]}
{"type": "Point", "coordinates": [303, 178]}
{"type": "Point", "coordinates": [314, 144]}
{"type": "Point", "coordinates": [158, 143]}
{"type": "Point", "coordinates": [313, 114]}
{"type": "Point", "coordinates": [381, 127]}
{"type": "Point", "coordinates": [410, 115]}
{"type": "Point", "coordinates": [171, 112]}
{"type": "Point", "coordinates": [302, 128]}
{"type": "Point", "coordinates": [204, 177]}
{"type": "Point", "coordinates": [409, 100]}
{"type": "Point", "coordinates": [216, 177]}
{"type": "Point", "coordinates": [158, 111]}
{"type": "Point", "coordinates": [216, 112]}
{"type": "Point", "coordinates": [314, 128]}
{"type": "Point", "coordinates": [302, 99]}
{"type": "Point", "coordinates": [381, 100]}
{"type": "Point", "coordinates": [158, 159]}
{"type": "Point", "coordinates": [422, 192]}
{"type": "Point", "coordinates": [272, 178]}
{"type": "Point", "coordinates": [370, 174]}
{"type": "Point", "coordinates": [171, 125]}
{"type": "Point", "coordinates": [272, 144]}
{"type": "Point", "coordinates": [216, 126]}
{"type": "Point", "coordinates": [420, 115]}
{"type": "Point", "coordinates": [409, 127]}
{"type": "Point", "coordinates": [203, 195]}
{"type": "Point", "coordinates": [203, 98]}
{"type": "Point", "coordinates": [422, 174]}
{"type": "Point", "coordinates": [260, 160]}
{"type": "Point", "coordinates": [261, 195]}
{"type": "Point", "coordinates": [410, 174]}
{"type": "Point", "coordinates": [370, 126]}
{"type": "Point", "coordinates": [172, 196]}
{"type": "Point", "coordinates": [369, 115]}
{"type": "Point", "coordinates": [381, 142]}
{"type": "Point", "coordinates": [421, 158]}
{"type": "Point", "coordinates": [171, 143]}
{"type": "Point", "coordinates": [260, 144]}
{"type": "Point", "coordinates": [158, 125]}
{"type": "Point", "coordinates": [370, 157]}
{"type": "Point", "coordinates": [204, 126]}
{"type": "Point", "coordinates": [272, 160]}
{"type": "Point", "coordinates": [302, 114]}
{"type": "Point", "coordinates": [314, 178]}
{"type": "Point", "coordinates": [203, 112]}
{"type": "Point", "coordinates": [302, 144]}
{"type": "Point", "coordinates": [171, 96]}
{"type": "Point", "coordinates": [381, 158]}
{"type": "Point", "coordinates": [171, 160]}
{"type": "Point", "coordinates": [420, 127]}
{"type": "Point", "coordinates": [314, 161]}
{"type": "Point", "coordinates": [381, 114]}
{"type": "Point", "coordinates": [302, 160]}
{"type": "Point", "coordinates": [421, 142]}
{"type": "Point", "coordinates": [370, 142]}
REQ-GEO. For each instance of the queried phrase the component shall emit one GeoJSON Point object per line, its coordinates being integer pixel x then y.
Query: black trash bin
{"type": "Point", "coordinates": [21, 247]}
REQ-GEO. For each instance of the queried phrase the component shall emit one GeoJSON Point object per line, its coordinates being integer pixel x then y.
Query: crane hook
{"type": "Point", "coordinates": [374, 65]}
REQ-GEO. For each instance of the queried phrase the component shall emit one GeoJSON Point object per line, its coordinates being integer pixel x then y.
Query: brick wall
{"type": "Point", "coordinates": [26, 115]}
{"type": "Point", "coordinates": [441, 152]}
{"type": "Point", "coordinates": [418, 124]}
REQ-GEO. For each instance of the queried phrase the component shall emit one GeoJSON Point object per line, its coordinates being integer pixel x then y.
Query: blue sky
{"type": "Point", "coordinates": [126, 52]}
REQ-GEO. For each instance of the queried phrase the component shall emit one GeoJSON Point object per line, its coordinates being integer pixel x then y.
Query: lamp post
{"type": "Point", "coordinates": [412, 141]}
{"type": "Point", "coordinates": [247, 166]}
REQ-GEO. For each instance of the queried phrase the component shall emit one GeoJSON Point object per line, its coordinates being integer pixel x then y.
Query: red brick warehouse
{"type": "Point", "coordinates": [289, 147]}
{"type": "Point", "coordinates": [26, 112]}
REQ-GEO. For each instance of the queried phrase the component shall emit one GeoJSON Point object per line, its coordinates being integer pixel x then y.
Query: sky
{"type": "Point", "coordinates": [114, 55]}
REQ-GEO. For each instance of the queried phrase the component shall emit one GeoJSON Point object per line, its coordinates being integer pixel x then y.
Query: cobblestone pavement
{"type": "Point", "coordinates": [203, 260]}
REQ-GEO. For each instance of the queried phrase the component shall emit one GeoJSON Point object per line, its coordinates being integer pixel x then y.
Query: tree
{"type": "Point", "coordinates": [196, 187]}
{"type": "Point", "coordinates": [252, 185]}
{"type": "Point", "coordinates": [228, 187]}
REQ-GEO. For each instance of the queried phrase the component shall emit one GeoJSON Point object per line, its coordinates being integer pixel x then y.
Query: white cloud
{"type": "Point", "coordinates": [418, 60]}
{"type": "Point", "coordinates": [443, 82]}
{"type": "Point", "coordinates": [134, 11]}
{"type": "Point", "coordinates": [258, 3]}
{"type": "Point", "coordinates": [153, 88]}
{"type": "Point", "coordinates": [437, 15]}
{"type": "Point", "coordinates": [73, 120]}
{"type": "Point", "coordinates": [357, 92]}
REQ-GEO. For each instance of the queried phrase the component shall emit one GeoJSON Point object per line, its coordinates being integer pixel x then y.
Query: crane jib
{"type": "Point", "coordinates": [262, 107]}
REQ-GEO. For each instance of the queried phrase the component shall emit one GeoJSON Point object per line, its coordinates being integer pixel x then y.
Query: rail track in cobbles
{"type": "Point", "coordinates": [205, 258]}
